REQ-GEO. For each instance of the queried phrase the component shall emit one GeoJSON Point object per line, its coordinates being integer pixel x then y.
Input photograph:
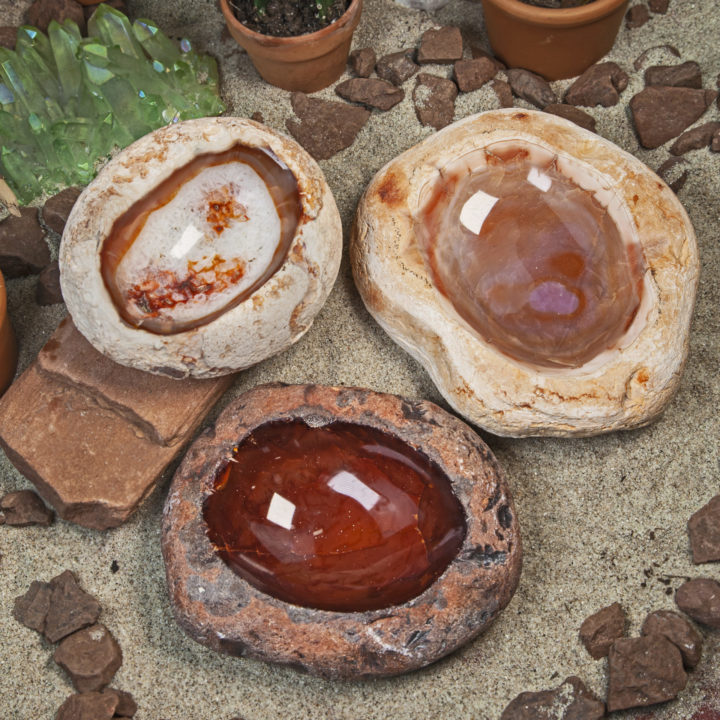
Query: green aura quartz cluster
{"type": "Point", "coordinates": [68, 101]}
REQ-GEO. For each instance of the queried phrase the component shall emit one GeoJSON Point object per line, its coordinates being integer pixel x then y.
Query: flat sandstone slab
{"type": "Point", "coordinates": [91, 435]}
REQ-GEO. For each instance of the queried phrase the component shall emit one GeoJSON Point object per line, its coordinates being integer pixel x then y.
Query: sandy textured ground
{"type": "Point", "coordinates": [603, 519]}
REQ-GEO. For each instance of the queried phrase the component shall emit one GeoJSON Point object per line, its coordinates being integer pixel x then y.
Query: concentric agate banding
{"type": "Point", "coordinates": [281, 305]}
{"type": "Point", "coordinates": [216, 607]}
{"type": "Point", "coordinates": [622, 387]}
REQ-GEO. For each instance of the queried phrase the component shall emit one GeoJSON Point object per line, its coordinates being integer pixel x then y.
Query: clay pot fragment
{"type": "Point", "coordinates": [295, 530]}
{"type": "Point", "coordinates": [443, 301]}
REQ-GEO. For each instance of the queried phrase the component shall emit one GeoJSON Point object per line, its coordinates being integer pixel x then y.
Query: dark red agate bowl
{"type": "Point", "coordinates": [341, 531]}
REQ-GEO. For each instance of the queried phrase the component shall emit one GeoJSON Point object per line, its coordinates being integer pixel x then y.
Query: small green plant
{"type": "Point", "coordinates": [322, 7]}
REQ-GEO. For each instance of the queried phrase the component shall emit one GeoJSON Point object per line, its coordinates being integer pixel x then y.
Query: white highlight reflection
{"type": "Point", "coordinates": [281, 511]}
{"type": "Point", "coordinates": [476, 210]}
{"type": "Point", "coordinates": [187, 240]}
{"type": "Point", "coordinates": [539, 179]}
{"type": "Point", "coordinates": [347, 484]}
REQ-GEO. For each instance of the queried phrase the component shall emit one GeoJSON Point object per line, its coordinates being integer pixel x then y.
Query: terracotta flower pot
{"type": "Point", "coordinates": [8, 346]}
{"type": "Point", "coordinates": [303, 62]}
{"type": "Point", "coordinates": [555, 43]}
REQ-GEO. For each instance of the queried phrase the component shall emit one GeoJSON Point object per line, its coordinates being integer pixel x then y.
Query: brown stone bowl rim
{"type": "Point", "coordinates": [190, 489]}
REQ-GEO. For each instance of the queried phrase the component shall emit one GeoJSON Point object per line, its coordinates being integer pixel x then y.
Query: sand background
{"type": "Point", "coordinates": [603, 519]}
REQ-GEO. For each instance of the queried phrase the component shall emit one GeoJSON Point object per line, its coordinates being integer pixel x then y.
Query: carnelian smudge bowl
{"type": "Point", "coordinates": [220, 609]}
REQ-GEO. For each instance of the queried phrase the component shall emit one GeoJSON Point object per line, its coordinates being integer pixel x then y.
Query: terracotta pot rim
{"type": "Point", "coordinates": [291, 40]}
{"type": "Point", "coordinates": [557, 17]}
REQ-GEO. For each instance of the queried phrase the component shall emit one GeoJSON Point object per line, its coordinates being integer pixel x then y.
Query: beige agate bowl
{"type": "Point", "coordinates": [487, 375]}
{"type": "Point", "coordinates": [201, 249]}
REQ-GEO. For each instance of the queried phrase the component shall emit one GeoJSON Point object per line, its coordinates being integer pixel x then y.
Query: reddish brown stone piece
{"type": "Point", "coordinates": [670, 173]}
{"type": "Point", "coordinates": [31, 609]}
{"type": "Point", "coordinates": [126, 707]}
{"type": "Point", "coordinates": [88, 706]}
{"type": "Point", "coordinates": [48, 290]}
{"type": "Point", "coordinates": [56, 210]}
{"type": "Point", "coordinates": [23, 250]}
{"type": "Point", "coordinates": [599, 631]}
{"type": "Point", "coordinates": [71, 608]}
{"type": "Point", "coordinates": [678, 631]}
{"type": "Point", "coordinates": [220, 609]}
{"type": "Point", "coordinates": [573, 114]}
{"type": "Point", "coordinates": [569, 701]}
{"type": "Point", "coordinates": [478, 52]}
{"type": "Point", "coordinates": [362, 62]}
{"type": "Point", "coordinates": [704, 527]}
{"type": "Point", "coordinates": [685, 74]}
{"type": "Point", "coordinates": [93, 436]}
{"type": "Point", "coordinates": [473, 74]}
{"type": "Point", "coordinates": [503, 92]}
{"type": "Point", "coordinates": [643, 671]}
{"type": "Point", "coordinates": [659, 6]}
{"type": "Point", "coordinates": [700, 599]}
{"type": "Point", "coordinates": [372, 92]}
{"type": "Point", "coordinates": [637, 16]}
{"type": "Point", "coordinates": [91, 657]}
{"type": "Point", "coordinates": [600, 84]}
{"type": "Point", "coordinates": [695, 139]}
{"type": "Point", "coordinates": [531, 87]}
{"type": "Point", "coordinates": [434, 99]}
{"type": "Point", "coordinates": [41, 12]}
{"type": "Point", "coordinates": [396, 67]}
{"type": "Point", "coordinates": [24, 508]}
{"type": "Point", "coordinates": [8, 36]}
{"type": "Point", "coordinates": [441, 46]}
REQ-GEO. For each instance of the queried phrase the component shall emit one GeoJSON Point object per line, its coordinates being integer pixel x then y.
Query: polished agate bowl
{"type": "Point", "coordinates": [542, 276]}
{"type": "Point", "coordinates": [201, 249]}
{"type": "Point", "coordinates": [341, 531]}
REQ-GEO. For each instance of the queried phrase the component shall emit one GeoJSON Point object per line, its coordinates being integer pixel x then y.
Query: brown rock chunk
{"type": "Point", "coordinates": [47, 290]}
{"type": "Point", "coordinates": [362, 62]}
{"type": "Point", "coordinates": [661, 113]}
{"type": "Point", "coordinates": [31, 609]}
{"type": "Point", "coordinates": [162, 410]}
{"type": "Point", "coordinates": [88, 10]}
{"type": "Point", "coordinates": [434, 99]}
{"type": "Point", "coordinates": [531, 87]}
{"type": "Point", "coordinates": [473, 74]}
{"type": "Point", "coordinates": [326, 127]}
{"type": "Point", "coordinates": [23, 250]}
{"type": "Point", "coordinates": [678, 631]}
{"type": "Point", "coordinates": [396, 67]}
{"type": "Point", "coordinates": [671, 175]}
{"type": "Point", "coordinates": [503, 92]}
{"type": "Point", "coordinates": [71, 608]}
{"type": "Point", "coordinates": [88, 706]}
{"type": "Point", "coordinates": [704, 525]}
{"type": "Point", "coordinates": [569, 701]}
{"type": "Point", "coordinates": [442, 46]}
{"type": "Point", "coordinates": [126, 707]}
{"type": "Point", "coordinates": [372, 92]}
{"type": "Point", "coordinates": [8, 36]}
{"type": "Point", "coordinates": [700, 599]}
{"type": "Point", "coordinates": [24, 507]}
{"type": "Point", "coordinates": [695, 139]}
{"type": "Point", "coordinates": [478, 52]}
{"type": "Point", "coordinates": [715, 143]}
{"type": "Point", "coordinates": [600, 84]}
{"type": "Point", "coordinates": [637, 16]}
{"type": "Point", "coordinates": [686, 74]}
{"type": "Point", "coordinates": [659, 6]}
{"type": "Point", "coordinates": [258, 117]}
{"type": "Point", "coordinates": [576, 115]}
{"type": "Point", "coordinates": [56, 210]}
{"type": "Point", "coordinates": [41, 12]}
{"type": "Point", "coordinates": [91, 657]}
{"type": "Point", "coordinates": [599, 631]}
{"type": "Point", "coordinates": [643, 671]}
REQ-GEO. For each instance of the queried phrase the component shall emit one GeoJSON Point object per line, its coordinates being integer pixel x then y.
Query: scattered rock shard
{"type": "Point", "coordinates": [643, 671]}
{"type": "Point", "coordinates": [473, 74]}
{"type": "Point", "coordinates": [24, 507]}
{"type": "Point", "coordinates": [659, 6]}
{"type": "Point", "coordinates": [441, 46]}
{"type": "Point", "coordinates": [600, 84]}
{"type": "Point", "coordinates": [695, 139]}
{"type": "Point", "coordinates": [675, 628]}
{"type": "Point", "coordinates": [88, 706]}
{"type": "Point", "coordinates": [704, 531]}
{"type": "Point", "coordinates": [637, 16]}
{"type": "Point", "coordinates": [397, 67]}
{"type": "Point", "coordinates": [91, 657]}
{"type": "Point", "coordinates": [661, 113]}
{"type": "Point", "coordinates": [372, 92]}
{"type": "Point", "coordinates": [48, 290]}
{"type": "Point", "coordinates": [126, 707]}
{"type": "Point", "coordinates": [434, 99]}
{"type": "Point", "coordinates": [686, 74]}
{"type": "Point", "coordinates": [8, 35]}
{"type": "Point", "coordinates": [669, 173]}
{"type": "Point", "coordinates": [504, 93]}
{"type": "Point", "coordinates": [362, 62]}
{"type": "Point", "coordinates": [41, 12]}
{"type": "Point", "coordinates": [56, 210]}
{"type": "Point", "coordinates": [599, 631]}
{"type": "Point", "coordinates": [700, 599]}
{"type": "Point", "coordinates": [569, 701]}
{"type": "Point", "coordinates": [574, 114]}
{"type": "Point", "coordinates": [326, 126]}
{"type": "Point", "coordinates": [531, 87]}
{"type": "Point", "coordinates": [32, 608]}
{"type": "Point", "coordinates": [71, 608]}
{"type": "Point", "coordinates": [23, 250]}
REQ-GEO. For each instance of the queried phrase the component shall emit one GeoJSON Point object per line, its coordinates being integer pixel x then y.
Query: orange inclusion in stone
{"type": "Point", "coordinates": [547, 279]}
{"type": "Point", "coordinates": [342, 517]}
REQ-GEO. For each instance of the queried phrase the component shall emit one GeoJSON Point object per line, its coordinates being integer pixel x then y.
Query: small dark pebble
{"type": "Point", "coordinates": [442, 46]}
{"type": "Point", "coordinates": [569, 701]}
{"type": "Point", "coordinates": [637, 16]}
{"type": "Point", "coordinates": [434, 99]}
{"type": "Point", "coordinates": [24, 507]}
{"type": "Point", "coordinates": [531, 87]}
{"type": "Point", "coordinates": [114, 567]}
{"type": "Point", "coordinates": [258, 117]}
{"type": "Point", "coordinates": [696, 139]}
{"type": "Point", "coordinates": [373, 92]}
{"type": "Point", "coordinates": [700, 599]}
{"type": "Point", "coordinates": [504, 93]}
{"type": "Point", "coordinates": [685, 74]}
{"type": "Point", "coordinates": [659, 6]}
{"type": "Point", "coordinates": [396, 67]}
{"type": "Point", "coordinates": [473, 74]}
{"type": "Point", "coordinates": [88, 706]}
{"type": "Point", "coordinates": [574, 114]}
{"type": "Point", "coordinates": [23, 250]}
{"type": "Point", "coordinates": [643, 671]}
{"type": "Point", "coordinates": [71, 608]}
{"type": "Point", "coordinates": [599, 631]}
{"type": "Point", "coordinates": [56, 210]}
{"type": "Point", "coordinates": [47, 290]}
{"type": "Point", "coordinates": [600, 84]}
{"type": "Point", "coordinates": [362, 62]}
{"type": "Point", "coordinates": [678, 631]}
{"type": "Point", "coordinates": [668, 172]}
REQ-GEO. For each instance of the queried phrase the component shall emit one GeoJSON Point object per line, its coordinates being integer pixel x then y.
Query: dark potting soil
{"type": "Point", "coordinates": [557, 3]}
{"type": "Point", "coordinates": [287, 18]}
